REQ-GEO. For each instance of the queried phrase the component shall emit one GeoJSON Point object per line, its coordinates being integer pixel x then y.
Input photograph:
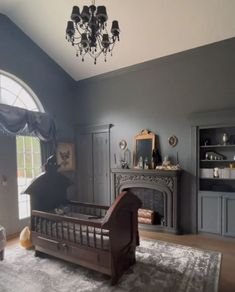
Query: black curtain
{"type": "Point", "coordinates": [17, 121]}
{"type": "Point", "coordinates": [47, 149]}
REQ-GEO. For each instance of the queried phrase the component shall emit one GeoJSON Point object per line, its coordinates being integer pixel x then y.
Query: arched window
{"type": "Point", "coordinates": [15, 93]}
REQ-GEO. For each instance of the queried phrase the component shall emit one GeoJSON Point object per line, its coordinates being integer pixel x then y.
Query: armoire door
{"type": "Point", "coordinates": [85, 168]}
{"type": "Point", "coordinates": [101, 168]}
{"type": "Point", "coordinates": [93, 164]}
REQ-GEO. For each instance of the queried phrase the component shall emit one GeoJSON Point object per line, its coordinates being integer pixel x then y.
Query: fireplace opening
{"type": "Point", "coordinates": [153, 210]}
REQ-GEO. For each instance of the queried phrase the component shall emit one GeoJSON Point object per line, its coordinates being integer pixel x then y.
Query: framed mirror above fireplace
{"type": "Point", "coordinates": [144, 144]}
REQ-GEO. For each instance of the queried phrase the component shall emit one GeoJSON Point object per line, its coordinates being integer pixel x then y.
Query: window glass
{"type": "Point", "coordinates": [10, 84]}
{"type": "Point", "coordinates": [13, 93]}
{"type": "Point", "coordinates": [28, 167]}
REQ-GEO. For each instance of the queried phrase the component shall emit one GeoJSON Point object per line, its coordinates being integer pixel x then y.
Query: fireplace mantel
{"type": "Point", "coordinates": [165, 181]}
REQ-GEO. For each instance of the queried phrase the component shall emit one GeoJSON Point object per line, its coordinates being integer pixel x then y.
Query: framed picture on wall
{"type": "Point", "coordinates": [65, 156]}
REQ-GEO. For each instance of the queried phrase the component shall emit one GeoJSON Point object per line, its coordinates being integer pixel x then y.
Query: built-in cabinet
{"type": "Point", "coordinates": [216, 180]}
{"type": "Point", "coordinates": [94, 164]}
{"type": "Point", "coordinates": [216, 213]}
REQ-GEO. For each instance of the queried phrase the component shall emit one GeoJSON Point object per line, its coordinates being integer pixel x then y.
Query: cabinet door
{"type": "Point", "coordinates": [229, 215]}
{"type": "Point", "coordinates": [101, 168]}
{"type": "Point", "coordinates": [85, 172]}
{"type": "Point", "coordinates": [209, 212]}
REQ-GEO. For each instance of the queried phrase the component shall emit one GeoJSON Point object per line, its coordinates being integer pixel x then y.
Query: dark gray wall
{"type": "Point", "coordinates": [20, 56]}
{"type": "Point", "coordinates": [55, 89]}
{"type": "Point", "coordinates": [160, 95]}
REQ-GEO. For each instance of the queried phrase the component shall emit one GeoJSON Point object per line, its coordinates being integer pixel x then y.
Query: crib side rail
{"type": "Point", "coordinates": [59, 218]}
{"type": "Point", "coordinates": [76, 203]}
{"type": "Point", "coordinates": [68, 229]}
{"type": "Point", "coordinates": [95, 210]}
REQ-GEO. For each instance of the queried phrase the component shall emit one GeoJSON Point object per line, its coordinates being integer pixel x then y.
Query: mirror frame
{"type": "Point", "coordinates": [143, 135]}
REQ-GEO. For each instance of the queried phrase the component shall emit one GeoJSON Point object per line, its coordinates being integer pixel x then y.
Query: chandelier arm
{"type": "Point", "coordinates": [95, 56]}
{"type": "Point", "coordinates": [112, 41]}
{"type": "Point", "coordinates": [99, 43]}
{"type": "Point", "coordinates": [105, 29]}
{"type": "Point", "coordinates": [111, 48]}
{"type": "Point", "coordinates": [77, 29]}
{"type": "Point", "coordinates": [76, 40]}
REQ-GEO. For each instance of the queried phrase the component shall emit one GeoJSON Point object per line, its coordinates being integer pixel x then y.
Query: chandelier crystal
{"type": "Point", "coordinates": [87, 32]}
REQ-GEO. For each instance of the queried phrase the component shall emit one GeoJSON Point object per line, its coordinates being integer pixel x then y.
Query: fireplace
{"type": "Point", "coordinates": [159, 191]}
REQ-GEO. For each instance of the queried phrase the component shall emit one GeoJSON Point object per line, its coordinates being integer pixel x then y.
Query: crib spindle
{"type": "Point", "coordinates": [56, 230]}
{"type": "Point", "coordinates": [102, 240]}
{"type": "Point", "coordinates": [74, 233]}
{"type": "Point", "coordinates": [40, 225]}
{"type": "Point", "coordinates": [46, 222]}
{"type": "Point", "coordinates": [68, 234]}
{"type": "Point", "coordinates": [35, 228]}
{"type": "Point", "coordinates": [87, 236]}
{"type": "Point", "coordinates": [94, 235]}
{"type": "Point", "coordinates": [62, 230]}
{"type": "Point", "coordinates": [51, 231]}
{"type": "Point", "coordinates": [81, 239]}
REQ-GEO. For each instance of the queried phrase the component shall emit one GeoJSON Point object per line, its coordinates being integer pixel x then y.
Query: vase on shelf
{"type": "Point", "coordinates": [225, 139]}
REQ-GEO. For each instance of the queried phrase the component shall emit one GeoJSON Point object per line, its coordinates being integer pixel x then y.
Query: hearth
{"type": "Point", "coordinates": [159, 190]}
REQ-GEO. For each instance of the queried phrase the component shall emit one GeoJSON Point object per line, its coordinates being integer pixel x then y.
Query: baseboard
{"type": "Point", "coordinates": [13, 236]}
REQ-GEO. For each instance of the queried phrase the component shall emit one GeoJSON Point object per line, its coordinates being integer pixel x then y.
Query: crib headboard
{"type": "Point", "coordinates": [125, 201]}
{"type": "Point", "coordinates": [48, 190]}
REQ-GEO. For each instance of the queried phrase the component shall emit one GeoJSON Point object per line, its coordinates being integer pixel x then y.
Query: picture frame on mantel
{"type": "Point", "coordinates": [65, 155]}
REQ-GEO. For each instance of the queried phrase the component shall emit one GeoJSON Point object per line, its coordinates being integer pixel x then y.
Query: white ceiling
{"type": "Point", "coordinates": [149, 29]}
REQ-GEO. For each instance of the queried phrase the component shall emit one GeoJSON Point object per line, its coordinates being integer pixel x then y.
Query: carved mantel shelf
{"type": "Point", "coordinates": [165, 181]}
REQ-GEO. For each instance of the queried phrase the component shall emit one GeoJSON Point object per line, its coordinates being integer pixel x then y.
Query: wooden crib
{"type": "Point", "coordinates": [84, 236]}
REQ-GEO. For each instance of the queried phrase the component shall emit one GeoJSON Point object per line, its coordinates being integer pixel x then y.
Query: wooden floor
{"type": "Point", "coordinates": [225, 246]}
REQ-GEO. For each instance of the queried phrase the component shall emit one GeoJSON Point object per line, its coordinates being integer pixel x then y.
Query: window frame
{"type": "Point", "coordinates": [39, 108]}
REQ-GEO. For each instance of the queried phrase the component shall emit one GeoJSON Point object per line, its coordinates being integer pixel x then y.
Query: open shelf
{"type": "Point", "coordinates": [224, 160]}
{"type": "Point", "coordinates": [215, 147]}
{"type": "Point", "coordinates": [214, 178]}
{"type": "Point", "coordinates": [218, 146]}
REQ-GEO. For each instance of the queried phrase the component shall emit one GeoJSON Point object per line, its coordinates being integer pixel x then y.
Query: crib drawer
{"type": "Point", "coordinates": [83, 254]}
{"type": "Point", "coordinates": [46, 243]}
{"type": "Point", "coordinates": [92, 256]}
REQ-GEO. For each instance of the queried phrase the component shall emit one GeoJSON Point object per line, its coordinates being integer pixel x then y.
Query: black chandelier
{"type": "Point", "coordinates": [88, 33]}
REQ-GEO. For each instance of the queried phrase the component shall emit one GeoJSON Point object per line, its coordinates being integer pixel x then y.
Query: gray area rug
{"type": "Point", "coordinates": [160, 267]}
